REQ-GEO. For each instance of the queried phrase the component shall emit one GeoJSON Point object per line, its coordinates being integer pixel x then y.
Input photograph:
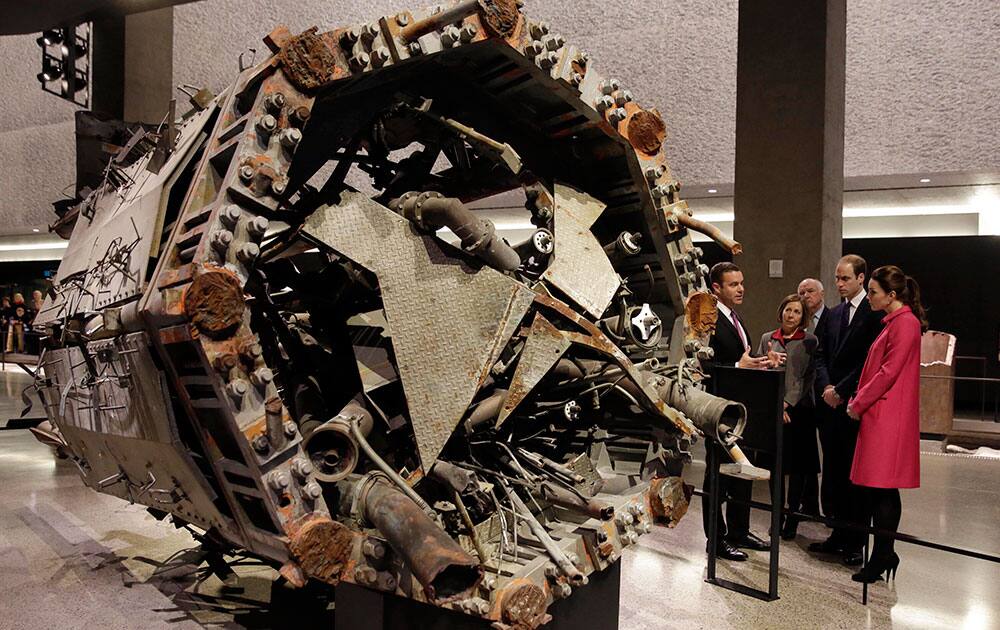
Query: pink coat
{"type": "Point", "coordinates": [888, 401]}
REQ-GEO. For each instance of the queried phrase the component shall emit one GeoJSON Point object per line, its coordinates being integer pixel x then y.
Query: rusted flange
{"type": "Point", "coordinates": [646, 131]}
{"type": "Point", "coordinates": [523, 606]}
{"type": "Point", "coordinates": [321, 546]}
{"type": "Point", "coordinates": [701, 313]}
{"type": "Point", "coordinates": [669, 498]}
{"type": "Point", "coordinates": [214, 303]}
{"type": "Point", "coordinates": [309, 60]}
{"type": "Point", "coordinates": [499, 16]}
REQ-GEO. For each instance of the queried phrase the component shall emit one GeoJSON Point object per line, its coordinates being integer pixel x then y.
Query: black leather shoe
{"type": "Point", "coordinates": [749, 541]}
{"type": "Point", "coordinates": [826, 546]}
{"type": "Point", "coordinates": [853, 558]}
{"type": "Point", "coordinates": [728, 552]}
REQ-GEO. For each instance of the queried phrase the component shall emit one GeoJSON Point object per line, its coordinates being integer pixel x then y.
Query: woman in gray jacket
{"type": "Point", "coordinates": [801, 456]}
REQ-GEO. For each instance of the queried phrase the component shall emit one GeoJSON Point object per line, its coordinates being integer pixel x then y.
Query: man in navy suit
{"type": "Point", "coordinates": [731, 345]}
{"type": "Point", "coordinates": [847, 334]}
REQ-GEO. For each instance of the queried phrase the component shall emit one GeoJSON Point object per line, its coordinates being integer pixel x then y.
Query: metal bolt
{"type": "Point", "coordinates": [539, 30]}
{"type": "Point", "coordinates": [609, 85]}
{"type": "Point", "coordinates": [230, 216]}
{"type": "Point", "coordinates": [415, 48]}
{"type": "Point", "coordinates": [247, 253]}
{"type": "Point", "coordinates": [561, 590]}
{"type": "Point", "coordinates": [221, 240]}
{"type": "Point", "coordinates": [573, 558]}
{"type": "Point", "coordinates": [386, 582]}
{"type": "Point", "coordinates": [450, 36]}
{"type": "Point", "coordinates": [290, 431]}
{"type": "Point", "coordinates": [312, 490]}
{"type": "Point", "coordinates": [551, 571]}
{"type": "Point", "coordinates": [617, 115]}
{"type": "Point", "coordinates": [380, 56]}
{"type": "Point", "coordinates": [402, 19]}
{"type": "Point", "coordinates": [698, 252]}
{"type": "Point", "coordinates": [623, 96]}
{"type": "Point", "coordinates": [360, 61]}
{"type": "Point", "coordinates": [279, 480]}
{"type": "Point", "coordinates": [369, 32]}
{"type": "Point", "coordinates": [604, 103]}
{"type": "Point", "coordinates": [262, 377]}
{"type": "Point", "coordinates": [489, 583]}
{"type": "Point", "coordinates": [247, 172]}
{"type": "Point", "coordinates": [261, 443]}
{"type": "Point", "coordinates": [237, 389]}
{"type": "Point", "coordinates": [257, 227]}
{"type": "Point", "coordinates": [278, 187]}
{"type": "Point", "coordinates": [554, 42]}
{"type": "Point", "coordinates": [602, 536]}
{"type": "Point", "coordinates": [274, 102]}
{"type": "Point", "coordinates": [659, 191]}
{"type": "Point", "coordinates": [547, 60]}
{"type": "Point", "coordinates": [468, 33]}
{"type": "Point", "coordinates": [300, 116]}
{"type": "Point", "coordinates": [290, 138]}
{"type": "Point", "coordinates": [624, 518]}
{"type": "Point", "coordinates": [266, 124]}
{"type": "Point", "coordinates": [349, 38]}
{"type": "Point", "coordinates": [253, 351]}
{"type": "Point", "coordinates": [633, 538]}
{"type": "Point", "coordinates": [647, 527]}
{"type": "Point", "coordinates": [373, 549]}
{"type": "Point", "coordinates": [301, 467]}
{"type": "Point", "coordinates": [225, 362]}
{"type": "Point", "coordinates": [364, 575]}
{"type": "Point", "coordinates": [533, 49]}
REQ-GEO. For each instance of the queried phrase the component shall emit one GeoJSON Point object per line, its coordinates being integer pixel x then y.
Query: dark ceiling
{"type": "Point", "coordinates": [35, 16]}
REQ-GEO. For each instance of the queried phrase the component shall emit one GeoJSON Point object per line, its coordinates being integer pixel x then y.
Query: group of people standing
{"type": "Point", "coordinates": [852, 372]}
{"type": "Point", "coordinates": [16, 317]}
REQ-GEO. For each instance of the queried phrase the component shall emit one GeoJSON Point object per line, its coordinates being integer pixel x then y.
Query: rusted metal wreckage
{"type": "Point", "coordinates": [308, 371]}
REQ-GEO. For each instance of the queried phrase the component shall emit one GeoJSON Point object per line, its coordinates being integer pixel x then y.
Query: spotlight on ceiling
{"type": "Point", "coordinates": [712, 190]}
{"type": "Point", "coordinates": [66, 63]}
{"type": "Point", "coordinates": [925, 180]}
{"type": "Point", "coordinates": [34, 229]}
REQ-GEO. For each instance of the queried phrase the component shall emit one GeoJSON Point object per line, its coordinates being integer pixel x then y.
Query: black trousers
{"type": "Point", "coordinates": [842, 500]}
{"type": "Point", "coordinates": [736, 523]}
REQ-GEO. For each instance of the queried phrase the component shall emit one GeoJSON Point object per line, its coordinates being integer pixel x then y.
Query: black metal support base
{"type": "Point", "coordinates": [594, 607]}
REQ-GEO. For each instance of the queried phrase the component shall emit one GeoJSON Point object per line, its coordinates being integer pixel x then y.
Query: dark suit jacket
{"type": "Point", "coordinates": [820, 333]}
{"type": "Point", "coordinates": [726, 342]}
{"type": "Point", "coordinates": [839, 361]}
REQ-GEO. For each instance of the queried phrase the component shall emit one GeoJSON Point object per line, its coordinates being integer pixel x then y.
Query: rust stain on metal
{"type": "Point", "coordinates": [321, 546]}
{"type": "Point", "coordinates": [214, 303]}
{"type": "Point", "coordinates": [669, 498]}
{"type": "Point", "coordinates": [309, 60]}
{"type": "Point", "coordinates": [500, 17]}
{"type": "Point", "coordinates": [523, 605]}
{"type": "Point", "coordinates": [646, 131]}
{"type": "Point", "coordinates": [701, 313]}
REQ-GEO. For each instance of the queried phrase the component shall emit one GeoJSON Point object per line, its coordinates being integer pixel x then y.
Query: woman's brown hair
{"type": "Point", "coordinates": [785, 302]}
{"type": "Point", "coordinates": [891, 278]}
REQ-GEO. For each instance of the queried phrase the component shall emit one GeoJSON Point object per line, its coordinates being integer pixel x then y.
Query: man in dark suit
{"type": "Point", "coordinates": [814, 297]}
{"type": "Point", "coordinates": [847, 334]}
{"type": "Point", "coordinates": [731, 345]}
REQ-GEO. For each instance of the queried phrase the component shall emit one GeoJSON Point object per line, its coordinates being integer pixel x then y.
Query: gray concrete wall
{"type": "Point", "coordinates": [922, 88]}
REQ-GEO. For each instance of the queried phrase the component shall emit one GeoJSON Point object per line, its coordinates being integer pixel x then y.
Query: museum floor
{"type": "Point", "coordinates": [72, 558]}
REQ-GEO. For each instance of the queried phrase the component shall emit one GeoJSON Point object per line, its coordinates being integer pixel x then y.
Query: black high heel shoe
{"type": "Point", "coordinates": [875, 569]}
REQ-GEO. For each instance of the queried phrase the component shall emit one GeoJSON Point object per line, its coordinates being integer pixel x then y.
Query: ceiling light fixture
{"type": "Point", "coordinates": [925, 180]}
{"type": "Point", "coordinates": [34, 229]}
{"type": "Point", "coordinates": [712, 190]}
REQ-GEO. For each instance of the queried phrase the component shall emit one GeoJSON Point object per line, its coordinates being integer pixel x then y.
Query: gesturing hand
{"type": "Point", "coordinates": [775, 359]}
{"type": "Point", "coordinates": [755, 363]}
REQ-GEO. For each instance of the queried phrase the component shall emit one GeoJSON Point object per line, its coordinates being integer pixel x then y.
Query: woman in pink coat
{"type": "Point", "coordinates": [887, 401]}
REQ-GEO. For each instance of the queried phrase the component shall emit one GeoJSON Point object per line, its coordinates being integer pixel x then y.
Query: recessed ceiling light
{"type": "Point", "coordinates": [925, 180]}
{"type": "Point", "coordinates": [712, 190]}
{"type": "Point", "coordinates": [34, 229]}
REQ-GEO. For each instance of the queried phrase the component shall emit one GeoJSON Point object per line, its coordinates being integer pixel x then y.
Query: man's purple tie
{"type": "Point", "coordinates": [739, 330]}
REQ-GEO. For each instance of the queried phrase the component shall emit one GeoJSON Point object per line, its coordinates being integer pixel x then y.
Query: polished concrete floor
{"type": "Point", "coordinates": [72, 558]}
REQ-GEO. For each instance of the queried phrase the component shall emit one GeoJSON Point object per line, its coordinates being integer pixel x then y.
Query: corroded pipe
{"type": "Point", "coordinates": [718, 418]}
{"type": "Point", "coordinates": [431, 211]}
{"type": "Point", "coordinates": [557, 495]}
{"type": "Point", "coordinates": [445, 570]}
{"type": "Point", "coordinates": [486, 411]}
{"type": "Point", "coordinates": [331, 446]}
{"type": "Point", "coordinates": [434, 22]}
{"type": "Point", "coordinates": [710, 231]}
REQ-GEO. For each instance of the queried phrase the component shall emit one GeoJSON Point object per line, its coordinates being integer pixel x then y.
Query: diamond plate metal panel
{"type": "Point", "coordinates": [109, 253]}
{"type": "Point", "coordinates": [544, 346]}
{"type": "Point", "coordinates": [449, 321]}
{"type": "Point", "coordinates": [579, 267]}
